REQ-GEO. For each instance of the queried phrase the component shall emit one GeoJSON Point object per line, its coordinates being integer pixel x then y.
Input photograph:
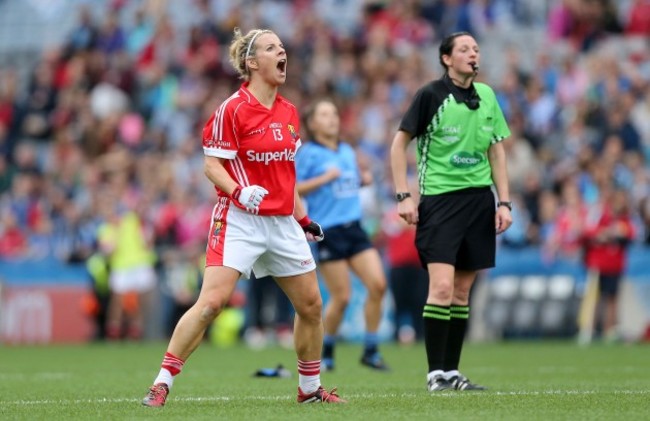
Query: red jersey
{"type": "Point", "coordinates": [400, 244]}
{"type": "Point", "coordinates": [260, 147]}
{"type": "Point", "coordinates": [606, 251]}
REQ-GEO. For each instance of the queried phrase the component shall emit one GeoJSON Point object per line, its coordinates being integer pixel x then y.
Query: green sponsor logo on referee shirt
{"type": "Point", "coordinates": [464, 159]}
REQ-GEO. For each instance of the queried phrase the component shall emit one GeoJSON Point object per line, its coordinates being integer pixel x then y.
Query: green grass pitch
{"type": "Point", "coordinates": [527, 381]}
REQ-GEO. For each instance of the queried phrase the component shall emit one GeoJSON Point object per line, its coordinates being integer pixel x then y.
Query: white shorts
{"type": "Point", "coordinates": [138, 279]}
{"type": "Point", "coordinates": [267, 245]}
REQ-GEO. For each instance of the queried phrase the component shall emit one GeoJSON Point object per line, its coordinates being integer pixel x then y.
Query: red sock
{"type": "Point", "coordinates": [172, 363]}
{"type": "Point", "coordinates": [309, 368]}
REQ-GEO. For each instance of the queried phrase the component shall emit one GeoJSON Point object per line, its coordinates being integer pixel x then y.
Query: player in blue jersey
{"type": "Point", "coordinates": [329, 180]}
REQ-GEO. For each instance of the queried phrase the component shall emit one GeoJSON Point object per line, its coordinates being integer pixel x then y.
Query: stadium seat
{"type": "Point", "coordinates": [503, 292]}
{"type": "Point", "coordinates": [556, 313]}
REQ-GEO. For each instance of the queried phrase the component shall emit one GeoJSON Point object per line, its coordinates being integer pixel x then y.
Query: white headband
{"type": "Point", "coordinates": [250, 44]}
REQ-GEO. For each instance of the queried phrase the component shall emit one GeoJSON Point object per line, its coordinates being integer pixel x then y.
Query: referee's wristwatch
{"type": "Point", "coordinates": [401, 196]}
{"type": "Point", "coordinates": [506, 204]}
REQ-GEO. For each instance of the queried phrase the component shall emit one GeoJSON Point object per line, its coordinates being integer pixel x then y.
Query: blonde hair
{"type": "Point", "coordinates": [243, 47]}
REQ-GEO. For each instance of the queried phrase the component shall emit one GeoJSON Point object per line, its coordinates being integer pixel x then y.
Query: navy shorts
{"type": "Point", "coordinates": [342, 242]}
{"type": "Point", "coordinates": [458, 228]}
{"type": "Point", "coordinates": [608, 284]}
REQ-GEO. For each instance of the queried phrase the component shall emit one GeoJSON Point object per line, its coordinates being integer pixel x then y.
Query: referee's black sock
{"type": "Point", "coordinates": [436, 329]}
{"type": "Point", "coordinates": [457, 328]}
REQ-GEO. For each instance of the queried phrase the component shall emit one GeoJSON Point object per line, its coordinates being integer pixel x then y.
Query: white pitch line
{"type": "Point", "coordinates": [104, 400]}
{"type": "Point", "coordinates": [576, 392]}
{"type": "Point", "coordinates": [353, 396]}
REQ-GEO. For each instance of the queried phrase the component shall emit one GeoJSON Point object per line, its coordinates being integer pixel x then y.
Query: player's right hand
{"type": "Point", "coordinates": [408, 211]}
{"type": "Point", "coordinates": [250, 196]}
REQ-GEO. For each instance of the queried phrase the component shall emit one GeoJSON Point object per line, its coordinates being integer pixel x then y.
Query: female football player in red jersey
{"type": "Point", "coordinates": [258, 223]}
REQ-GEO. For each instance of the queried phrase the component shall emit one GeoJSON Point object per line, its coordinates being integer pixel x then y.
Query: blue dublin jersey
{"type": "Point", "coordinates": [336, 202]}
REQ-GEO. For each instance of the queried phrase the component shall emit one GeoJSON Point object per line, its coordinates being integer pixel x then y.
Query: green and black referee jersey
{"type": "Point", "coordinates": [452, 139]}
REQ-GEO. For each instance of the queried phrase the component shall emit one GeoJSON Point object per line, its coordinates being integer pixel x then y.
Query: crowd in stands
{"type": "Point", "coordinates": [111, 118]}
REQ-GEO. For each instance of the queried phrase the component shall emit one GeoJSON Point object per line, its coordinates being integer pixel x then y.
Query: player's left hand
{"type": "Point", "coordinates": [313, 231]}
{"type": "Point", "coordinates": [503, 219]}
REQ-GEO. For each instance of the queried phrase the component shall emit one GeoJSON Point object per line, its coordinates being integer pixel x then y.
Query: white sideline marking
{"type": "Point", "coordinates": [284, 398]}
{"type": "Point", "coordinates": [108, 400]}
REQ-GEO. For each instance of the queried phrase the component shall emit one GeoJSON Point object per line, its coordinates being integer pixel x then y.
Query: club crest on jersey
{"type": "Point", "coordinates": [214, 237]}
{"type": "Point", "coordinates": [292, 130]}
{"type": "Point", "coordinates": [216, 228]}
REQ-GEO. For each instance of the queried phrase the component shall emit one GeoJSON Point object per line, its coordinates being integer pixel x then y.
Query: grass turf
{"type": "Point", "coordinates": [526, 380]}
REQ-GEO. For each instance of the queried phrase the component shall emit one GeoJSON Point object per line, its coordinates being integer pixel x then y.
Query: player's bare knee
{"type": "Point", "coordinates": [461, 296]}
{"type": "Point", "coordinates": [377, 290]}
{"type": "Point", "coordinates": [441, 291]}
{"type": "Point", "coordinates": [340, 302]}
{"type": "Point", "coordinates": [208, 313]}
{"type": "Point", "coordinates": [310, 310]}
{"type": "Point", "coordinates": [210, 309]}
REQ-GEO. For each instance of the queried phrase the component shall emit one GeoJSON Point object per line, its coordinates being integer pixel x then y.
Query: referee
{"type": "Point", "coordinates": [458, 127]}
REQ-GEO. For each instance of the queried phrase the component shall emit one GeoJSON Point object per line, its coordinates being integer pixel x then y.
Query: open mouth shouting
{"type": "Point", "coordinates": [282, 66]}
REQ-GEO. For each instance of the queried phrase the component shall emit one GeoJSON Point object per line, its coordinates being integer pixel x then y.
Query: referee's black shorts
{"type": "Point", "coordinates": [458, 228]}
